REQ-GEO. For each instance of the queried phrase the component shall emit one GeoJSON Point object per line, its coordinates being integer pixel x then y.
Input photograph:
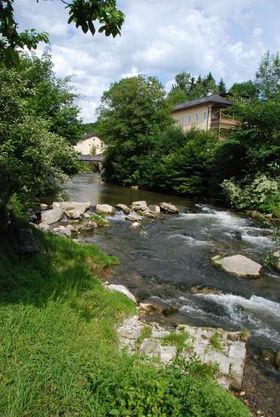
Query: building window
{"type": "Point", "coordinates": [196, 117]}
{"type": "Point", "coordinates": [204, 115]}
{"type": "Point", "coordinates": [189, 119]}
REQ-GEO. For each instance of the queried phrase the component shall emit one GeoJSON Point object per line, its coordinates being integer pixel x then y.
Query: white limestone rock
{"type": "Point", "coordinates": [124, 208]}
{"type": "Point", "coordinates": [134, 217]}
{"type": "Point", "coordinates": [155, 209]}
{"type": "Point", "coordinates": [44, 206]}
{"type": "Point", "coordinates": [139, 206]}
{"type": "Point", "coordinates": [168, 208]}
{"type": "Point", "coordinates": [135, 225]}
{"type": "Point", "coordinates": [51, 216]}
{"type": "Point", "coordinates": [72, 209]}
{"type": "Point", "coordinates": [123, 290]}
{"type": "Point", "coordinates": [238, 265]}
{"type": "Point", "coordinates": [105, 209]}
{"type": "Point", "coordinates": [62, 231]}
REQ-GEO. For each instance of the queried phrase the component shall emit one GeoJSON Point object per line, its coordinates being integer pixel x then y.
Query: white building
{"type": "Point", "coordinates": [90, 145]}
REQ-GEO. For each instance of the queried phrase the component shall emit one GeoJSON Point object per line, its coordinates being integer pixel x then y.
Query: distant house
{"type": "Point", "coordinates": [205, 113]}
{"type": "Point", "coordinates": [90, 144]}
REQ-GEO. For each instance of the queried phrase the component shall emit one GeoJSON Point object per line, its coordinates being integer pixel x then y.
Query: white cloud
{"type": "Point", "coordinates": [159, 38]}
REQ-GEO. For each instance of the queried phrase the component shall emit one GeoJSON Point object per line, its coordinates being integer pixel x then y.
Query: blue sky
{"type": "Point", "coordinates": [159, 37]}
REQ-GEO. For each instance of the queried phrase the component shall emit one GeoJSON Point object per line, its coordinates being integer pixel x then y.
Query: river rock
{"type": "Point", "coordinates": [169, 208]}
{"type": "Point", "coordinates": [277, 259]}
{"type": "Point", "coordinates": [44, 227]}
{"type": "Point", "coordinates": [135, 225]}
{"type": "Point", "coordinates": [62, 231]}
{"type": "Point", "coordinates": [124, 208]}
{"type": "Point", "coordinates": [44, 206]}
{"type": "Point", "coordinates": [150, 347]}
{"type": "Point", "coordinates": [72, 209]}
{"type": "Point", "coordinates": [87, 226]}
{"type": "Point", "coordinates": [157, 304]}
{"type": "Point", "coordinates": [105, 209]}
{"type": "Point", "coordinates": [238, 265]}
{"type": "Point", "coordinates": [139, 206]}
{"type": "Point", "coordinates": [52, 216]}
{"type": "Point", "coordinates": [134, 217]}
{"type": "Point", "coordinates": [205, 290]}
{"type": "Point", "coordinates": [129, 332]}
{"type": "Point", "coordinates": [123, 290]}
{"type": "Point", "coordinates": [155, 209]}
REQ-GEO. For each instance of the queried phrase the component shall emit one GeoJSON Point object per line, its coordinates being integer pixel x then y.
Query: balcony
{"type": "Point", "coordinates": [222, 120]}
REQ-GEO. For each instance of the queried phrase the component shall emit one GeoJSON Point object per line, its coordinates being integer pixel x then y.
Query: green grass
{"type": "Point", "coordinates": [146, 332]}
{"type": "Point", "coordinates": [99, 220]}
{"type": "Point", "coordinates": [58, 345]}
{"type": "Point", "coordinates": [215, 341]}
{"type": "Point", "coordinates": [175, 339]}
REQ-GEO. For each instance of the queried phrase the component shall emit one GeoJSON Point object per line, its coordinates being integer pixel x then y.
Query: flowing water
{"type": "Point", "coordinates": [168, 257]}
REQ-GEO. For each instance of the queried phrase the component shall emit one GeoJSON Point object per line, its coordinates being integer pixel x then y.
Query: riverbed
{"type": "Point", "coordinates": [168, 257]}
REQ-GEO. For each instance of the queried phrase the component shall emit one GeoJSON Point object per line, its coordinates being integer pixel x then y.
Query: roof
{"type": "Point", "coordinates": [211, 99]}
{"type": "Point", "coordinates": [87, 136]}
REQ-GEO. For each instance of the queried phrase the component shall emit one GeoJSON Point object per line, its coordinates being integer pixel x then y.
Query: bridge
{"type": "Point", "coordinates": [91, 158]}
{"type": "Point", "coordinates": [95, 161]}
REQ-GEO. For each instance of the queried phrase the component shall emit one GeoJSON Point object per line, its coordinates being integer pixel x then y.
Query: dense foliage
{"type": "Point", "coordinates": [38, 120]}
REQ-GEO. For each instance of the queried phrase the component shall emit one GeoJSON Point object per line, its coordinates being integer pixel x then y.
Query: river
{"type": "Point", "coordinates": [168, 257]}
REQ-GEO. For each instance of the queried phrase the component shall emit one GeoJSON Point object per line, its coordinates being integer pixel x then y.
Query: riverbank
{"type": "Point", "coordinates": [59, 349]}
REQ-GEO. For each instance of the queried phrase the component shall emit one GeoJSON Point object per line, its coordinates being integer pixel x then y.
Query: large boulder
{"type": "Point", "coordinates": [155, 209]}
{"type": "Point", "coordinates": [105, 209]}
{"type": "Point", "coordinates": [168, 208]}
{"type": "Point", "coordinates": [123, 290]}
{"type": "Point", "coordinates": [238, 265]}
{"type": "Point", "coordinates": [124, 208]}
{"type": "Point", "coordinates": [51, 216]}
{"type": "Point", "coordinates": [139, 206]}
{"type": "Point", "coordinates": [72, 209]}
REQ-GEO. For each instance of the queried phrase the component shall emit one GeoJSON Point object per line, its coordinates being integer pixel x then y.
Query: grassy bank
{"type": "Point", "coordinates": [58, 347]}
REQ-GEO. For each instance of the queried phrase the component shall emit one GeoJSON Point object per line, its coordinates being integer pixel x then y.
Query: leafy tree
{"type": "Point", "coordinates": [244, 90]}
{"type": "Point", "coordinates": [33, 161]}
{"type": "Point", "coordinates": [132, 114]}
{"type": "Point", "coordinates": [52, 98]}
{"type": "Point", "coordinates": [184, 167]}
{"type": "Point", "coordinates": [85, 14]}
{"type": "Point", "coordinates": [252, 150]}
{"type": "Point", "coordinates": [268, 76]}
{"type": "Point", "coordinates": [187, 87]}
{"type": "Point", "coordinates": [222, 88]}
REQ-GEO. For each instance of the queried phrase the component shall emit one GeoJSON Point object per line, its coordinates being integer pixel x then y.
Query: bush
{"type": "Point", "coordinates": [260, 192]}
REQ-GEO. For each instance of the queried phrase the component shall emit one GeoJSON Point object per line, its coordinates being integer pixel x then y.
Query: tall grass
{"type": "Point", "coordinates": [58, 346]}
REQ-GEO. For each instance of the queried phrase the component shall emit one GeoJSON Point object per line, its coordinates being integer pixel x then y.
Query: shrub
{"type": "Point", "coordinates": [259, 192]}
